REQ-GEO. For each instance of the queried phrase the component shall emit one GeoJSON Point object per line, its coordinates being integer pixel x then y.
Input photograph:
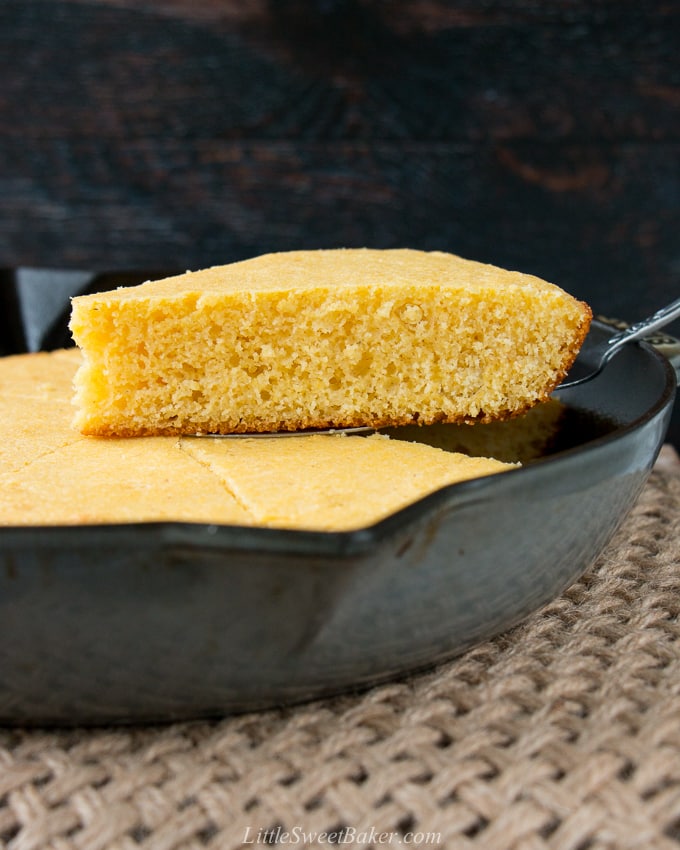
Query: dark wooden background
{"type": "Point", "coordinates": [175, 134]}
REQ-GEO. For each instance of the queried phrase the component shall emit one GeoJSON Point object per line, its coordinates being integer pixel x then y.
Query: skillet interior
{"type": "Point", "coordinates": [628, 390]}
{"type": "Point", "coordinates": [161, 621]}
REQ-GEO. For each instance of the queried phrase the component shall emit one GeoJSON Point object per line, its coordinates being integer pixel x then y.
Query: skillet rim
{"type": "Point", "coordinates": [302, 542]}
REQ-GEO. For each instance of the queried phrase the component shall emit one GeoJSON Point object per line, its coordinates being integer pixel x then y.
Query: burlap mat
{"type": "Point", "coordinates": [564, 733]}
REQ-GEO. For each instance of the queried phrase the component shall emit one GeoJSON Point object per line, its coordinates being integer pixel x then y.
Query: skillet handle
{"type": "Point", "coordinates": [664, 343]}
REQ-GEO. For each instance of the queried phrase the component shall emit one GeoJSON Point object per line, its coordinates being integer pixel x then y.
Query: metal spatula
{"type": "Point", "coordinates": [359, 429]}
{"type": "Point", "coordinates": [593, 358]}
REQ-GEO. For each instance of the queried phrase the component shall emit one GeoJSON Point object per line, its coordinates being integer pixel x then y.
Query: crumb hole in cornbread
{"type": "Point", "coordinates": [410, 314]}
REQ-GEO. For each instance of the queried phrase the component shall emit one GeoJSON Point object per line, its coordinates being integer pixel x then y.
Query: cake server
{"type": "Point", "coordinates": [359, 429]}
{"type": "Point", "coordinates": [594, 356]}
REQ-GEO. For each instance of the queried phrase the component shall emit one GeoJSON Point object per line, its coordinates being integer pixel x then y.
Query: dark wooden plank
{"type": "Point", "coordinates": [289, 69]}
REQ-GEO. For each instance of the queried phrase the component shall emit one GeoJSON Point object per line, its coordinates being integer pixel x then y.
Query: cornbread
{"type": "Point", "coordinates": [315, 339]}
{"type": "Point", "coordinates": [35, 406]}
{"type": "Point", "coordinates": [331, 482]}
{"type": "Point", "coordinates": [50, 474]}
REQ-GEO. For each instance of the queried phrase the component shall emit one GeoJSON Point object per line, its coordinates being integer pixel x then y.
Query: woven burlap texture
{"type": "Point", "coordinates": [564, 733]}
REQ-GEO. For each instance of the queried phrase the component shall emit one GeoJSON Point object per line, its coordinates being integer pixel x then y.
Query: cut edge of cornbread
{"type": "Point", "coordinates": [322, 339]}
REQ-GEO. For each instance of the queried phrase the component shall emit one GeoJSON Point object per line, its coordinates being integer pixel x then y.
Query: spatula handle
{"type": "Point", "coordinates": [644, 328]}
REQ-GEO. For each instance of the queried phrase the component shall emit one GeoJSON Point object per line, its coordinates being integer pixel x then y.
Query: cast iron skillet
{"type": "Point", "coordinates": [151, 622]}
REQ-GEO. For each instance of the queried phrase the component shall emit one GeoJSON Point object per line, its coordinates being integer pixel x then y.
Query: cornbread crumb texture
{"type": "Point", "coordinates": [55, 476]}
{"type": "Point", "coordinates": [313, 339]}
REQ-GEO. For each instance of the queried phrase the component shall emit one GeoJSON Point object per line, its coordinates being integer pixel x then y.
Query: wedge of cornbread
{"type": "Point", "coordinates": [331, 483]}
{"type": "Point", "coordinates": [50, 474]}
{"type": "Point", "coordinates": [314, 339]}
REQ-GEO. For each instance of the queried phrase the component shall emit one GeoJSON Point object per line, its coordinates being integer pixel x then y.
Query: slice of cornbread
{"type": "Point", "coordinates": [312, 339]}
{"type": "Point", "coordinates": [52, 475]}
{"type": "Point", "coordinates": [114, 480]}
{"type": "Point", "coordinates": [331, 483]}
